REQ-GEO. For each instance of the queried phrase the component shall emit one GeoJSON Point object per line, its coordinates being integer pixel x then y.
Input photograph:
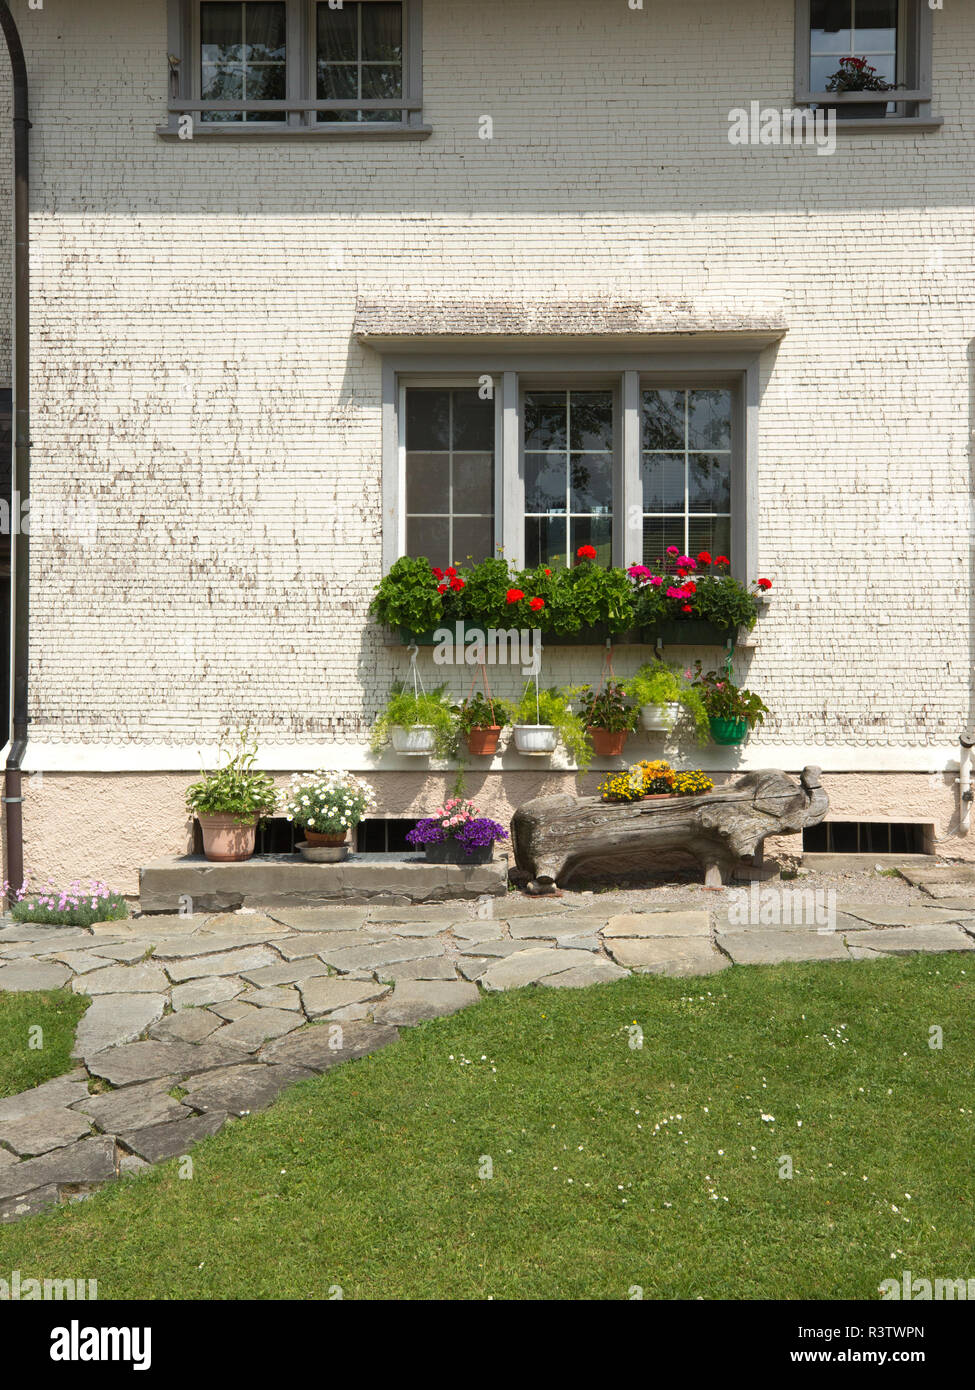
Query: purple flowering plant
{"type": "Point", "coordinates": [457, 820]}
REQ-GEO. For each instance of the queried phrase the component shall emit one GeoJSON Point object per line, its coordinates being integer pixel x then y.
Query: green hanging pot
{"type": "Point", "coordinates": [728, 731]}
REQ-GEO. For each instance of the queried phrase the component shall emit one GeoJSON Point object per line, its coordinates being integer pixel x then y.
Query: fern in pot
{"type": "Point", "coordinates": [663, 693]}
{"type": "Point", "coordinates": [419, 724]}
{"type": "Point", "coordinates": [230, 801]}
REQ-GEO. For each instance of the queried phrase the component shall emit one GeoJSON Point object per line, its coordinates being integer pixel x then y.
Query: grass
{"type": "Point", "coordinates": [56, 1012]}
{"type": "Point", "coordinates": [612, 1166]}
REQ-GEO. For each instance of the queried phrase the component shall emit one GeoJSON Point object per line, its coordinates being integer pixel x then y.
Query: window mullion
{"type": "Point", "coordinates": [512, 464]}
{"type": "Point", "coordinates": [629, 489]}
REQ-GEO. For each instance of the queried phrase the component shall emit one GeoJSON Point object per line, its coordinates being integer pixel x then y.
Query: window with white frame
{"type": "Point", "coordinates": [849, 51]}
{"type": "Point", "coordinates": [628, 462]}
{"type": "Point", "coordinates": [296, 66]}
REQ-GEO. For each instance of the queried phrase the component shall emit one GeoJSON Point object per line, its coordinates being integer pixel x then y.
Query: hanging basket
{"type": "Point", "coordinates": [658, 719]}
{"type": "Point", "coordinates": [418, 742]}
{"type": "Point", "coordinates": [607, 744]}
{"type": "Point", "coordinates": [728, 731]}
{"type": "Point", "coordinates": [536, 738]}
{"type": "Point", "coordinates": [483, 743]}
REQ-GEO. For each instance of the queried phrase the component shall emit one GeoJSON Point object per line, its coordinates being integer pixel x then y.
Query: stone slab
{"type": "Point", "coordinates": [557, 925]}
{"type": "Point", "coordinates": [922, 875]}
{"type": "Point", "coordinates": [252, 1032]}
{"type": "Point", "coordinates": [198, 993]}
{"type": "Point", "coordinates": [382, 953]}
{"type": "Point", "coordinates": [239, 962]}
{"type": "Point", "coordinates": [772, 947]}
{"type": "Point", "coordinates": [416, 1000]}
{"type": "Point", "coordinates": [126, 952]}
{"type": "Point", "coordinates": [597, 972]}
{"type": "Point", "coordinates": [273, 997]}
{"type": "Point", "coordinates": [668, 955]}
{"type": "Point", "coordinates": [189, 1025]}
{"type": "Point", "coordinates": [286, 972]}
{"type": "Point", "coordinates": [145, 1061]}
{"type": "Point", "coordinates": [884, 915]}
{"type": "Point", "coordinates": [905, 940]}
{"type": "Point", "coordinates": [428, 968]}
{"type": "Point", "coordinates": [80, 962]}
{"type": "Point", "coordinates": [528, 967]}
{"type": "Point", "coordinates": [159, 1142]}
{"type": "Point", "coordinates": [473, 967]}
{"type": "Point", "coordinates": [28, 1204]}
{"type": "Point", "coordinates": [43, 1131]}
{"type": "Point", "coordinates": [633, 925]}
{"type": "Point", "coordinates": [247, 925]}
{"type": "Point", "coordinates": [324, 995]}
{"type": "Point", "coordinates": [300, 947]}
{"type": "Point", "coordinates": [113, 1019]}
{"type": "Point", "coordinates": [319, 919]}
{"type": "Point", "coordinates": [27, 975]}
{"type": "Point", "coordinates": [85, 1161]}
{"type": "Point", "coordinates": [242, 1090]}
{"type": "Point", "coordinates": [50, 1095]}
{"type": "Point", "coordinates": [501, 947]}
{"type": "Point", "coordinates": [123, 979]}
{"type": "Point", "coordinates": [325, 1045]}
{"type": "Point", "coordinates": [133, 1107]}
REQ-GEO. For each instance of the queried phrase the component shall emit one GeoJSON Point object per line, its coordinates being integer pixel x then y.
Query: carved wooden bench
{"type": "Point", "coordinates": [558, 838]}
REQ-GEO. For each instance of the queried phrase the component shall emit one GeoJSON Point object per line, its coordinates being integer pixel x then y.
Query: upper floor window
{"type": "Point", "coordinates": [866, 59]}
{"type": "Point", "coordinates": [295, 67]}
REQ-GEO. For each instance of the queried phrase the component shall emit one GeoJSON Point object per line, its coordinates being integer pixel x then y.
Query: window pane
{"type": "Point", "coordinates": [592, 482]}
{"type": "Point", "coordinates": [709, 533]}
{"type": "Point", "coordinates": [473, 483]}
{"type": "Point", "coordinates": [265, 84]}
{"type": "Point", "coordinates": [591, 419]}
{"type": "Point", "coordinates": [473, 539]}
{"type": "Point", "coordinates": [382, 32]}
{"type": "Point", "coordinates": [831, 23]}
{"type": "Point", "coordinates": [473, 421]}
{"type": "Point", "coordinates": [222, 84]}
{"type": "Point", "coordinates": [221, 32]}
{"type": "Point", "coordinates": [545, 541]}
{"type": "Point", "coordinates": [429, 536]}
{"type": "Point", "coordinates": [709, 419]}
{"type": "Point", "coordinates": [428, 483]}
{"type": "Point", "coordinates": [545, 420]}
{"type": "Point", "coordinates": [337, 82]}
{"type": "Point", "coordinates": [545, 483]}
{"type": "Point", "coordinates": [663, 482]}
{"type": "Point", "coordinates": [663, 419]}
{"type": "Point", "coordinates": [709, 483]}
{"type": "Point", "coordinates": [378, 82]}
{"type": "Point", "coordinates": [264, 32]}
{"type": "Point", "coordinates": [596, 531]}
{"type": "Point", "coordinates": [658, 533]}
{"type": "Point", "coordinates": [337, 34]}
{"type": "Point", "coordinates": [876, 26]}
{"type": "Point", "coordinates": [427, 418]}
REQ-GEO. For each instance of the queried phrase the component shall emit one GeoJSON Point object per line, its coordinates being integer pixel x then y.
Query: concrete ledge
{"type": "Point", "coordinates": [836, 863]}
{"type": "Point", "coordinates": [194, 884]}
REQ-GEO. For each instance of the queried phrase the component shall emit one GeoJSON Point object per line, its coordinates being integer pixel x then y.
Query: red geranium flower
{"type": "Point", "coordinates": [451, 572]}
{"type": "Point", "coordinates": [765, 583]}
{"type": "Point", "coordinates": [441, 588]}
{"type": "Point", "coordinates": [690, 587]}
{"type": "Point", "coordinates": [437, 574]}
{"type": "Point", "coordinates": [456, 584]}
{"type": "Point", "coordinates": [514, 595]}
{"type": "Point", "coordinates": [703, 558]}
{"type": "Point", "coordinates": [722, 560]}
{"type": "Point", "coordinates": [548, 571]}
{"type": "Point", "coordinates": [536, 605]}
{"type": "Point", "coordinates": [586, 552]}
{"type": "Point", "coordinates": [687, 608]}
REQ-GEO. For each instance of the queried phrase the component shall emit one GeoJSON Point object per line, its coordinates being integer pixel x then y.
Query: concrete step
{"type": "Point", "coordinates": [834, 862]}
{"type": "Point", "coordinates": [190, 883]}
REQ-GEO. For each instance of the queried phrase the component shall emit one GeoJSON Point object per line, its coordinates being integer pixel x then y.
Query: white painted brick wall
{"type": "Point", "coordinates": [194, 374]}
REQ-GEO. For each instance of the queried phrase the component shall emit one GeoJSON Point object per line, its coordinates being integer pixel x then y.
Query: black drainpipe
{"type": "Point", "coordinates": [13, 800]}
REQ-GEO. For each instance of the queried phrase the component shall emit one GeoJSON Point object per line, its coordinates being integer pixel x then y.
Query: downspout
{"type": "Point", "coordinates": [13, 800]}
{"type": "Point", "coordinates": [967, 741]}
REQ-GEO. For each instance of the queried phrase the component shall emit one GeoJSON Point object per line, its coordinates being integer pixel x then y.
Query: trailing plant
{"type": "Point", "coordinates": [457, 820]}
{"type": "Point", "coordinates": [406, 709]}
{"type": "Point", "coordinates": [725, 700]}
{"type": "Point", "coordinates": [327, 802]}
{"type": "Point", "coordinates": [608, 710]}
{"type": "Point", "coordinates": [659, 684]}
{"type": "Point", "coordinates": [237, 789]}
{"type": "Point", "coordinates": [476, 713]}
{"type": "Point", "coordinates": [73, 906]}
{"type": "Point", "coordinates": [553, 709]}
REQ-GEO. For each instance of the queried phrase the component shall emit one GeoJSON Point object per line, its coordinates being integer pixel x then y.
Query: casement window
{"type": "Point", "coordinates": [295, 67]}
{"type": "Point", "coordinates": [892, 36]}
{"type": "Point", "coordinates": [540, 462]}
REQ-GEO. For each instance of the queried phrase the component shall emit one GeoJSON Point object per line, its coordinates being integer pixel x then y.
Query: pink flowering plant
{"type": "Point", "coordinates": [457, 820]}
{"type": "Point", "coordinates": [78, 905]}
{"type": "Point", "coordinates": [683, 587]}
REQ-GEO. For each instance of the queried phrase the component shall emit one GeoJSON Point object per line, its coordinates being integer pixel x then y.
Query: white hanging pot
{"type": "Point", "coordinates": [658, 718]}
{"type": "Point", "coordinates": [418, 742]}
{"type": "Point", "coordinates": [536, 738]}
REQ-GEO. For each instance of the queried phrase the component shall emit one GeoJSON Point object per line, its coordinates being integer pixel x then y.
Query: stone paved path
{"type": "Point", "coordinates": [197, 1020]}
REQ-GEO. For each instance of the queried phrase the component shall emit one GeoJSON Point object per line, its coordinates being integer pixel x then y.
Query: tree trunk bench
{"type": "Point", "coordinates": [558, 838]}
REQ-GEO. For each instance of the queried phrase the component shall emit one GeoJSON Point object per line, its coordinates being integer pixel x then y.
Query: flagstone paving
{"type": "Point", "coordinates": [198, 1020]}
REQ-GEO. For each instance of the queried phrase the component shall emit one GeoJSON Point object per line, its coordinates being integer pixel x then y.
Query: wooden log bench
{"type": "Point", "coordinates": [559, 838]}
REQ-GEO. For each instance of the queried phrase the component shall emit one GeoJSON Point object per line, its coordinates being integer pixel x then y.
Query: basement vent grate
{"type": "Point", "coordinates": [865, 837]}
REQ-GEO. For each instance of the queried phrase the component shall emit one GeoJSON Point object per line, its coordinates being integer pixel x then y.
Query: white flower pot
{"type": "Point", "coordinates": [658, 719]}
{"type": "Point", "coordinates": [418, 742]}
{"type": "Point", "coordinates": [536, 738]}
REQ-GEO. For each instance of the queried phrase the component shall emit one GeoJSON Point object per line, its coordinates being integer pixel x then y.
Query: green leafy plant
{"type": "Point", "coordinates": [235, 789]}
{"type": "Point", "coordinates": [725, 700]}
{"type": "Point", "coordinates": [684, 587]}
{"type": "Point", "coordinates": [478, 713]}
{"type": "Point", "coordinates": [553, 708]}
{"type": "Point", "coordinates": [857, 75]}
{"type": "Point", "coordinates": [608, 710]}
{"type": "Point", "coordinates": [408, 597]}
{"type": "Point", "coordinates": [483, 597]}
{"type": "Point", "coordinates": [659, 684]}
{"type": "Point", "coordinates": [591, 595]}
{"type": "Point", "coordinates": [406, 710]}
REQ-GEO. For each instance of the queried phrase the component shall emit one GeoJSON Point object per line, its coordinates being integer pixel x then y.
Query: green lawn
{"type": "Point", "coordinates": [612, 1167]}
{"type": "Point", "coordinates": [56, 1012]}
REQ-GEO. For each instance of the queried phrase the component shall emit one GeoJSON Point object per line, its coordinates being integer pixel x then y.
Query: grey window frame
{"type": "Point", "coordinates": [738, 369]}
{"type": "Point", "coordinates": [300, 105]}
{"type": "Point", "coordinates": [915, 30]}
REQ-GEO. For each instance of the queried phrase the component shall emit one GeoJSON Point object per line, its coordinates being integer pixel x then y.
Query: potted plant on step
{"type": "Point", "coordinates": [230, 801]}
{"type": "Point", "coordinates": [457, 833]}
{"type": "Point", "coordinates": [415, 723]}
{"type": "Point", "coordinates": [608, 718]}
{"type": "Point", "coordinates": [732, 710]}
{"type": "Point", "coordinates": [327, 805]}
{"type": "Point", "coordinates": [662, 693]}
{"type": "Point", "coordinates": [542, 717]}
{"type": "Point", "coordinates": [480, 721]}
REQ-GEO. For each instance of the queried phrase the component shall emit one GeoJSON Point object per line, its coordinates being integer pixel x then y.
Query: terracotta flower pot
{"type": "Point", "coordinates": [226, 840]}
{"type": "Point", "coordinates": [312, 837]}
{"type": "Point", "coordinates": [606, 744]}
{"type": "Point", "coordinates": [484, 742]}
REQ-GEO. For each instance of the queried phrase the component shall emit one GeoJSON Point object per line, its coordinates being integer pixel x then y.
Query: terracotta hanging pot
{"type": "Point", "coordinates": [606, 744]}
{"type": "Point", "coordinates": [484, 742]}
